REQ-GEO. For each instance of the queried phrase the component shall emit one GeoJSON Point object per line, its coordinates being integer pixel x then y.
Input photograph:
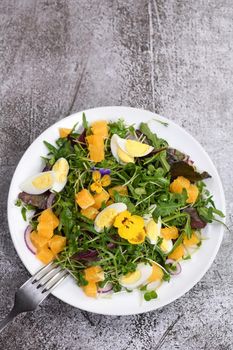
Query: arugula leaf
{"type": "Point", "coordinates": [85, 123]}
{"type": "Point", "coordinates": [175, 201]}
{"type": "Point", "coordinates": [161, 122]}
{"type": "Point", "coordinates": [119, 128]}
{"type": "Point", "coordinates": [163, 161]}
{"type": "Point", "coordinates": [187, 228]}
{"type": "Point", "coordinates": [208, 213]}
{"type": "Point", "coordinates": [23, 212]}
{"type": "Point", "coordinates": [52, 149]}
{"type": "Point", "coordinates": [152, 137]}
{"type": "Point", "coordinates": [66, 220]}
{"type": "Point", "coordinates": [118, 198]}
{"type": "Point", "coordinates": [177, 242]}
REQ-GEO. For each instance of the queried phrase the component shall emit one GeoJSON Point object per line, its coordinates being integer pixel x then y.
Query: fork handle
{"type": "Point", "coordinates": [12, 314]}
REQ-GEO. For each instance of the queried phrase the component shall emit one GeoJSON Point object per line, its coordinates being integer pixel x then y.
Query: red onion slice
{"type": "Point", "coordinates": [106, 289]}
{"type": "Point", "coordinates": [27, 239]}
{"type": "Point", "coordinates": [50, 200]}
{"type": "Point", "coordinates": [174, 263]}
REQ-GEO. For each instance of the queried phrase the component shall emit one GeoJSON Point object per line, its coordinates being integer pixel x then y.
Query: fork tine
{"type": "Point", "coordinates": [49, 288]}
{"type": "Point", "coordinates": [48, 276]}
{"type": "Point", "coordinates": [43, 270]}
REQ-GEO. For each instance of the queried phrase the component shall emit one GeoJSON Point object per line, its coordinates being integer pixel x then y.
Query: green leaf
{"type": "Point", "coordinates": [177, 242]}
{"type": "Point", "coordinates": [163, 161]}
{"type": "Point", "coordinates": [85, 123]}
{"type": "Point", "coordinates": [118, 198]}
{"type": "Point", "coordinates": [187, 228]}
{"type": "Point", "coordinates": [166, 277]}
{"type": "Point", "coordinates": [67, 220]}
{"type": "Point", "coordinates": [206, 213]}
{"type": "Point", "coordinates": [50, 147]}
{"type": "Point", "coordinates": [18, 203]}
{"type": "Point", "coordinates": [23, 212]}
{"type": "Point", "coordinates": [174, 202]}
{"type": "Point", "coordinates": [218, 212]}
{"type": "Point", "coordinates": [139, 191]}
{"type": "Point", "coordinates": [152, 137]}
{"type": "Point", "coordinates": [150, 295]}
{"type": "Point", "coordinates": [161, 122]}
{"type": "Point", "coordinates": [119, 128]}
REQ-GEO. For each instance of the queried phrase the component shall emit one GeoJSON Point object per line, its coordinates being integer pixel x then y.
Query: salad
{"type": "Point", "coordinates": [117, 207]}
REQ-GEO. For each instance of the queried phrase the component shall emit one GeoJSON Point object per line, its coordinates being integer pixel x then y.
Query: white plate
{"type": "Point", "coordinates": [122, 303]}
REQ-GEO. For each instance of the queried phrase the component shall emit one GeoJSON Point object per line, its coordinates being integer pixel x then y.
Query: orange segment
{"type": "Point", "coordinates": [96, 147]}
{"type": "Point", "coordinates": [100, 128]}
{"type": "Point", "coordinates": [194, 240]}
{"type": "Point", "coordinates": [64, 132]}
{"type": "Point", "coordinates": [90, 289]}
{"type": "Point", "coordinates": [47, 215]}
{"type": "Point", "coordinates": [170, 232]}
{"type": "Point", "coordinates": [84, 199]}
{"type": "Point", "coordinates": [178, 184]}
{"type": "Point", "coordinates": [57, 244]}
{"type": "Point", "coordinates": [109, 202]}
{"type": "Point", "coordinates": [157, 274]}
{"type": "Point", "coordinates": [122, 190]}
{"type": "Point", "coordinates": [38, 241]}
{"type": "Point", "coordinates": [45, 255]}
{"type": "Point", "coordinates": [90, 213]}
{"type": "Point", "coordinates": [192, 193]}
{"type": "Point", "coordinates": [94, 274]}
{"type": "Point", "coordinates": [178, 253]}
{"type": "Point", "coordinates": [45, 229]}
{"type": "Point", "coordinates": [100, 198]}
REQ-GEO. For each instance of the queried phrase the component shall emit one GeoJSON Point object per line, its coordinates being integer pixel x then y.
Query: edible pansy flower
{"type": "Point", "coordinates": [138, 238]}
{"type": "Point", "coordinates": [103, 171]}
{"type": "Point", "coordinates": [99, 182]}
{"type": "Point", "coordinates": [130, 227]}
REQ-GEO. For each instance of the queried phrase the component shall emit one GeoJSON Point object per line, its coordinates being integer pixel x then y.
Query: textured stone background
{"type": "Point", "coordinates": [174, 57]}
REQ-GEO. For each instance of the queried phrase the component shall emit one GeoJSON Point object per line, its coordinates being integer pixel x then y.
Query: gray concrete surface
{"type": "Point", "coordinates": [174, 57]}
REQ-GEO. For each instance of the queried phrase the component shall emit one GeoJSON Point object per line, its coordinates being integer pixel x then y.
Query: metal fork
{"type": "Point", "coordinates": [35, 290]}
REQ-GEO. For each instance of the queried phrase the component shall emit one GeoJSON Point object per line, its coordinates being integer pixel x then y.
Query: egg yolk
{"type": "Point", "coordinates": [131, 277]}
{"type": "Point", "coordinates": [43, 181]}
{"type": "Point", "coordinates": [106, 218]}
{"type": "Point", "coordinates": [124, 157]}
{"type": "Point", "coordinates": [152, 230]}
{"type": "Point", "coordinates": [135, 148]}
{"type": "Point", "coordinates": [61, 169]}
{"type": "Point", "coordinates": [165, 245]}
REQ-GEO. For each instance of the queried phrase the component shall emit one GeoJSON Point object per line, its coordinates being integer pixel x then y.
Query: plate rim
{"type": "Point", "coordinates": [216, 176]}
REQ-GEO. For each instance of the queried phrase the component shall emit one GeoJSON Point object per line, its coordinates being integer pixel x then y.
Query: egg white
{"type": "Point", "coordinates": [118, 207]}
{"type": "Point", "coordinates": [153, 236]}
{"type": "Point", "coordinates": [145, 270]}
{"type": "Point", "coordinates": [153, 285]}
{"type": "Point", "coordinates": [122, 144]}
{"type": "Point", "coordinates": [28, 186]}
{"type": "Point", "coordinates": [60, 175]}
{"type": "Point", "coordinates": [114, 146]}
{"type": "Point", "coordinates": [166, 245]}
